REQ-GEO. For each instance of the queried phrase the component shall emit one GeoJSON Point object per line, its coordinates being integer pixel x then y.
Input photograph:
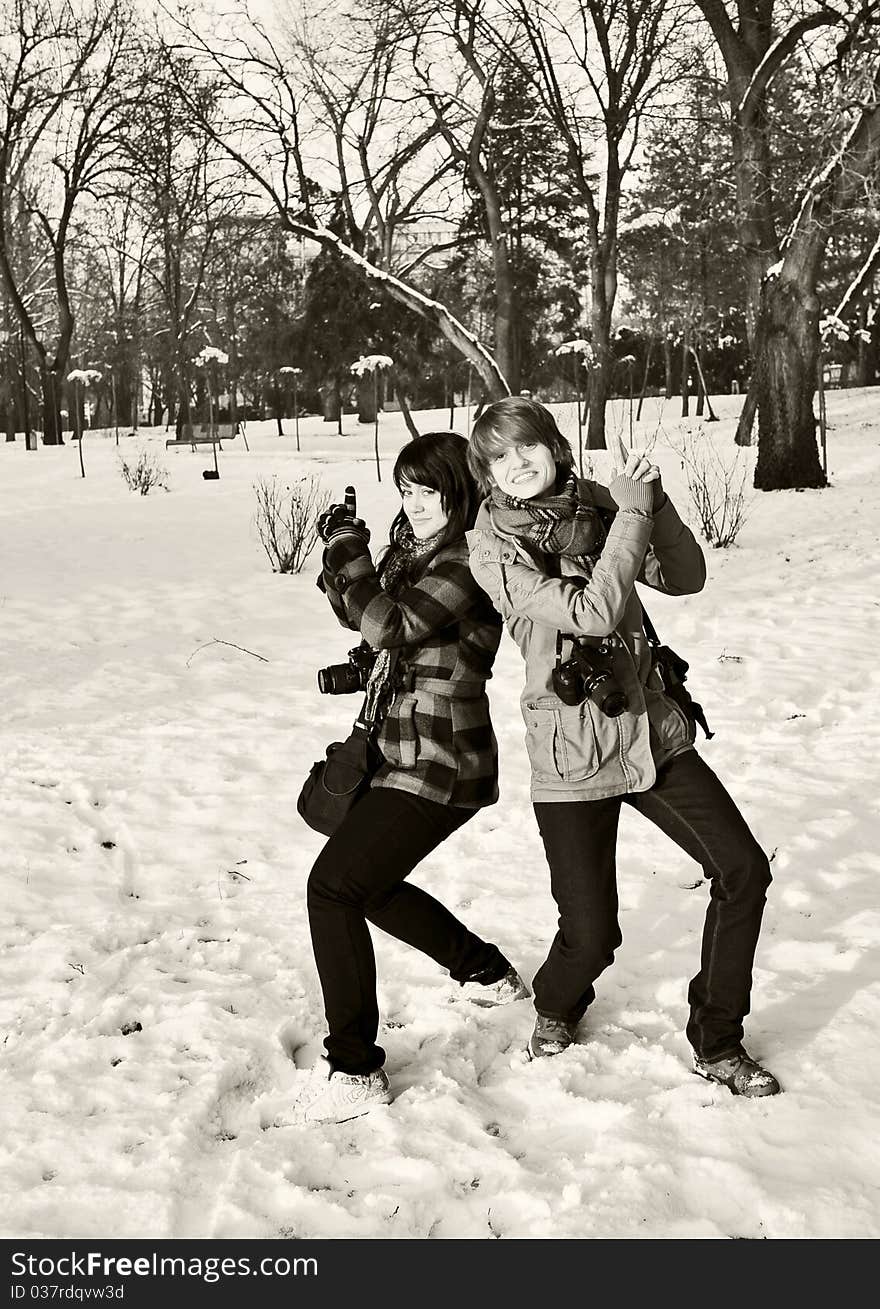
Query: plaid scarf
{"type": "Point", "coordinates": [396, 574]}
{"type": "Point", "coordinates": [399, 564]}
{"type": "Point", "coordinates": [554, 524]}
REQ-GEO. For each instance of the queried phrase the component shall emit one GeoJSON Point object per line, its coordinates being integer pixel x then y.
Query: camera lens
{"type": "Point", "coordinates": [614, 704]}
{"type": "Point", "coordinates": [606, 695]}
{"type": "Point", "coordinates": [568, 684]}
{"type": "Point", "coordinates": [340, 679]}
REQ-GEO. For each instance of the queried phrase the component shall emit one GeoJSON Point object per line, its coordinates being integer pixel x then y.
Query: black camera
{"type": "Point", "coordinates": [587, 675]}
{"type": "Point", "coordinates": [344, 679]}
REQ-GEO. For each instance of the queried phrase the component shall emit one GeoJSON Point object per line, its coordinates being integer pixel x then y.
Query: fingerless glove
{"type": "Point", "coordinates": [633, 495]}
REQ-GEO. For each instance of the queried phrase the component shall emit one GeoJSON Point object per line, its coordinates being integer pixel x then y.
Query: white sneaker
{"type": "Point", "coordinates": [329, 1097]}
{"type": "Point", "coordinates": [508, 988]}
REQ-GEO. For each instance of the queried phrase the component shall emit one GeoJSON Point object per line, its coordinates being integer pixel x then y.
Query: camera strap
{"type": "Point", "coordinates": [380, 686]}
{"type": "Point", "coordinates": [559, 640]}
{"type": "Point", "coordinates": [650, 629]}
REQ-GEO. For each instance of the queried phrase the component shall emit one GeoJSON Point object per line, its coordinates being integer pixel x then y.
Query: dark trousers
{"type": "Point", "coordinates": [359, 877]}
{"type": "Point", "coordinates": [691, 806]}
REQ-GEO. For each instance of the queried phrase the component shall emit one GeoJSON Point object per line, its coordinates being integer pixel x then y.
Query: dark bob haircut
{"type": "Point", "coordinates": [510, 421]}
{"type": "Point", "coordinates": [438, 460]}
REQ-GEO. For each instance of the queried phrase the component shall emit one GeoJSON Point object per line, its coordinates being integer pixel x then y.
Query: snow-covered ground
{"type": "Point", "coordinates": [159, 996]}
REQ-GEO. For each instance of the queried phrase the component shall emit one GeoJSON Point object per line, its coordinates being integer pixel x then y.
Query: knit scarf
{"type": "Point", "coordinates": [399, 564]}
{"type": "Point", "coordinates": [554, 524]}
{"type": "Point", "coordinates": [396, 573]}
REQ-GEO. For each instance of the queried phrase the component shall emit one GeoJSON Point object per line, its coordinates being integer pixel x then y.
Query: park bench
{"type": "Point", "coordinates": [224, 432]}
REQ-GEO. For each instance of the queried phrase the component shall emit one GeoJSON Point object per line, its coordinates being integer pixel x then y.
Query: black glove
{"type": "Point", "coordinates": [339, 521]}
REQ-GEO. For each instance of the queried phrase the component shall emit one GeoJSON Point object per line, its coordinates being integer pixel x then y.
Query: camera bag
{"type": "Point", "coordinates": [673, 672]}
{"type": "Point", "coordinates": [335, 784]}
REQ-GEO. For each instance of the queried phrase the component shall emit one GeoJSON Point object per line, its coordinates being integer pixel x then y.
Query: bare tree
{"type": "Point", "coordinates": [455, 69]}
{"type": "Point", "coordinates": [597, 66]}
{"type": "Point", "coordinates": [273, 128]}
{"type": "Point", "coordinates": [787, 332]}
{"type": "Point", "coordinates": [181, 182]}
{"type": "Point", "coordinates": [781, 273]}
{"type": "Point", "coordinates": [114, 246]}
{"type": "Point", "coordinates": [65, 93]}
{"type": "Point", "coordinates": [389, 168]}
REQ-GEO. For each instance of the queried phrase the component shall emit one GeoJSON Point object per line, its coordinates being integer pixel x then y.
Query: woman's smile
{"type": "Point", "coordinates": [525, 470]}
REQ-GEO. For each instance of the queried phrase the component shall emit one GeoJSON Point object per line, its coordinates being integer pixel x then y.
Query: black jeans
{"type": "Point", "coordinates": [359, 877]}
{"type": "Point", "coordinates": [691, 806]}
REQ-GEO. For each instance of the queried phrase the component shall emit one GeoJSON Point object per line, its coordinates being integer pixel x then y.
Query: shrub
{"type": "Point", "coordinates": [143, 473]}
{"type": "Point", "coordinates": [717, 487]}
{"type": "Point", "coordinates": [286, 520]}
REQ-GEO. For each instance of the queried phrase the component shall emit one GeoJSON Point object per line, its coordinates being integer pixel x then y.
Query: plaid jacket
{"type": "Point", "coordinates": [436, 739]}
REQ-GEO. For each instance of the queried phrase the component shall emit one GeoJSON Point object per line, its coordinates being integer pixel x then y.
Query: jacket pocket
{"type": "Point", "coordinates": [561, 740]}
{"type": "Point", "coordinates": [399, 738]}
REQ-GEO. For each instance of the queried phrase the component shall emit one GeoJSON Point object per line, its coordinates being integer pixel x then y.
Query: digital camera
{"type": "Point", "coordinates": [344, 679]}
{"type": "Point", "coordinates": [587, 675]}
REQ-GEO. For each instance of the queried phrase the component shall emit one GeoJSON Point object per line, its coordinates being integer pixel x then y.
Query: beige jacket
{"type": "Point", "coordinates": [579, 753]}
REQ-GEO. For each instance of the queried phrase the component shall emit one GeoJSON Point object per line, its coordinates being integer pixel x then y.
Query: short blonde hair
{"type": "Point", "coordinates": [507, 422]}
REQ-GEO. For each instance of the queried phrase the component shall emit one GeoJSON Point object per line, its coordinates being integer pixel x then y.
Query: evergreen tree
{"type": "Point", "coordinates": [679, 239]}
{"type": "Point", "coordinates": [529, 171]}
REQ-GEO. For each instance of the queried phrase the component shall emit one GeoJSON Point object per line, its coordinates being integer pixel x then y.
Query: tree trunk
{"type": "Point", "coordinates": [52, 434]}
{"type": "Point", "coordinates": [703, 393]}
{"type": "Point", "coordinates": [668, 368]}
{"type": "Point", "coordinates": [600, 386]}
{"type": "Point", "coordinates": [644, 390]}
{"type": "Point", "coordinates": [787, 339]}
{"type": "Point", "coordinates": [756, 227]}
{"type": "Point", "coordinates": [746, 425]}
{"type": "Point", "coordinates": [366, 399]}
{"type": "Point", "coordinates": [604, 282]}
{"type": "Point", "coordinates": [863, 357]}
{"type": "Point", "coordinates": [405, 410]}
{"type": "Point", "coordinates": [277, 405]}
{"type": "Point", "coordinates": [184, 401]}
{"type": "Point", "coordinates": [330, 403]}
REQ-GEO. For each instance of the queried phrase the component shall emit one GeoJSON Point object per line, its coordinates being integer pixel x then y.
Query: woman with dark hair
{"type": "Point", "coordinates": [435, 635]}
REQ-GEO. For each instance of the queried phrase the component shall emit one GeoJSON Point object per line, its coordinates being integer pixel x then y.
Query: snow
{"type": "Point", "coordinates": [161, 1004]}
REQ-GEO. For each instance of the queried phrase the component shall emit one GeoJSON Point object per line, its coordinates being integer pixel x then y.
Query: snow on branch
{"type": "Point", "coordinates": [832, 329]}
{"type": "Point", "coordinates": [820, 181]}
{"type": "Point", "coordinates": [577, 347]}
{"type": "Point", "coordinates": [211, 354]}
{"type": "Point", "coordinates": [857, 285]}
{"type": "Point", "coordinates": [431, 309]}
{"type": "Point", "coordinates": [776, 56]}
{"type": "Point", "coordinates": [371, 364]}
{"type": "Point", "coordinates": [666, 218]}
